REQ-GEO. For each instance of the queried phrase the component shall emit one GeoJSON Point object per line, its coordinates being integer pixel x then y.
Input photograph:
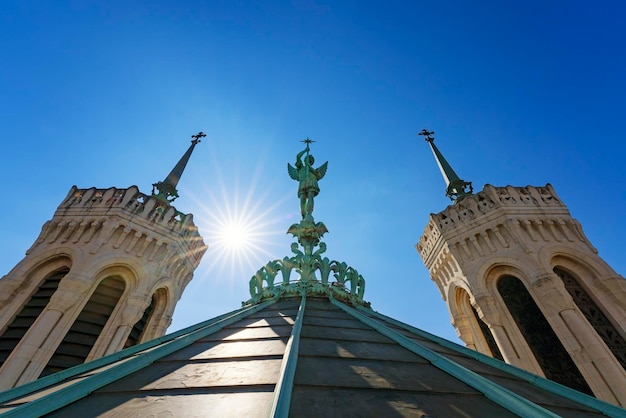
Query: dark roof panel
{"type": "Point", "coordinates": [340, 360]}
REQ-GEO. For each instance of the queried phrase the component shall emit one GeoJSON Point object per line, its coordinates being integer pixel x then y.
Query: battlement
{"type": "Point", "coordinates": [130, 200]}
{"type": "Point", "coordinates": [498, 216]}
{"type": "Point", "coordinates": [520, 199]}
{"type": "Point", "coordinates": [143, 220]}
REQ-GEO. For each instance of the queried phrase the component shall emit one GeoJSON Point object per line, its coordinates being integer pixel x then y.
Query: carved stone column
{"type": "Point", "coordinates": [133, 311]}
{"type": "Point", "coordinates": [603, 373]}
{"type": "Point", "coordinates": [39, 343]}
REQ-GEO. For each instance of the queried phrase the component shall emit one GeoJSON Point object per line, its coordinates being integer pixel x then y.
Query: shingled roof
{"type": "Point", "coordinates": [299, 356]}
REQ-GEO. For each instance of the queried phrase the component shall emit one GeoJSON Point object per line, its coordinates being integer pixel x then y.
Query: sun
{"type": "Point", "coordinates": [242, 223]}
{"type": "Point", "coordinates": [235, 236]}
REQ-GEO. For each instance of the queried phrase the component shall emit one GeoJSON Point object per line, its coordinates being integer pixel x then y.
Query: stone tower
{"type": "Point", "coordinates": [524, 284]}
{"type": "Point", "coordinates": [105, 273]}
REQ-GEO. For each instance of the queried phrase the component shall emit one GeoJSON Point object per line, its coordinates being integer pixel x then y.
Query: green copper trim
{"type": "Point", "coordinates": [82, 388]}
{"type": "Point", "coordinates": [284, 386]}
{"type": "Point", "coordinates": [503, 397]}
{"type": "Point", "coordinates": [167, 188]}
{"type": "Point", "coordinates": [455, 187]}
{"type": "Point", "coordinates": [50, 380]}
{"type": "Point", "coordinates": [541, 382]}
{"type": "Point", "coordinates": [348, 284]}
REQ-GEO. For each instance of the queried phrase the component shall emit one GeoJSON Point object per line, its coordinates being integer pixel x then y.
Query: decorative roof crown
{"type": "Point", "coordinates": [307, 261]}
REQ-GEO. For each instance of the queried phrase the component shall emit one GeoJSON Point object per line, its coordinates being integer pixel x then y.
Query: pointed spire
{"type": "Point", "coordinates": [456, 188]}
{"type": "Point", "coordinates": [167, 188]}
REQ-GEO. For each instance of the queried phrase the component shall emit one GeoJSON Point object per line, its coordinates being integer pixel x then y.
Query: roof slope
{"type": "Point", "coordinates": [298, 356]}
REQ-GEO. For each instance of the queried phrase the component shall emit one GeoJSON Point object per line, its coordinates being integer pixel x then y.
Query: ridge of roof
{"type": "Point", "coordinates": [541, 382]}
{"type": "Point", "coordinates": [496, 393]}
{"type": "Point", "coordinates": [284, 384]}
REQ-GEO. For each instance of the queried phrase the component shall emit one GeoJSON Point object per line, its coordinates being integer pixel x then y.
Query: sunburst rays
{"type": "Point", "coordinates": [241, 225]}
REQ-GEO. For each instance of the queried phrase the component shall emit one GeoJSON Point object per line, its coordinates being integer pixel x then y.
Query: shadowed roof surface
{"type": "Point", "coordinates": [231, 366]}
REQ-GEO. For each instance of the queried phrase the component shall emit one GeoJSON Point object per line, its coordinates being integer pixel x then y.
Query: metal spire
{"type": "Point", "coordinates": [167, 188]}
{"type": "Point", "coordinates": [456, 189]}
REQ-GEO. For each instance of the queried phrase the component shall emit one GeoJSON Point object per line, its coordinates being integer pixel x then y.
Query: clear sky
{"type": "Point", "coordinates": [101, 94]}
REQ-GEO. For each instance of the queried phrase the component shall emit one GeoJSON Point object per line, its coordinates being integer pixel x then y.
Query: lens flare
{"type": "Point", "coordinates": [241, 225]}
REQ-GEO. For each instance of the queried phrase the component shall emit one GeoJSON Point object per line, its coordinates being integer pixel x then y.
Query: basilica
{"type": "Point", "coordinates": [83, 317]}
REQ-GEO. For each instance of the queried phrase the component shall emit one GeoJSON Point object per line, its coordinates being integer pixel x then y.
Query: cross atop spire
{"type": "Point", "coordinates": [456, 188]}
{"type": "Point", "coordinates": [307, 141]}
{"type": "Point", "coordinates": [167, 188]}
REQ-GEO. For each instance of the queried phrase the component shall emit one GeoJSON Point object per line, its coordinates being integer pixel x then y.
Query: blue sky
{"type": "Point", "coordinates": [108, 93]}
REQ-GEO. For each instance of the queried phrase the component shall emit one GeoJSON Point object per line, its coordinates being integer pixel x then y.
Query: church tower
{"type": "Point", "coordinates": [105, 273]}
{"type": "Point", "coordinates": [524, 284]}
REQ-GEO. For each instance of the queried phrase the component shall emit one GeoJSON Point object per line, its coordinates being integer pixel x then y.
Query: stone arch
{"type": "Point", "coordinates": [35, 294]}
{"type": "Point", "coordinates": [586, 272]}
{"type": "Point", "coordinates": [127, 269]}
{"type": "Point", "coordinates": [553, 358]}
{"type": "Point", "coordinates": [27, 278]}
{"type": "Point", "coordinates": [90, 324]}
{"type": "Point", "coordinates": [456, 300]}
{"type": "Point", "coordinates": [590, 263]}
{"type": "Point", "coordinates": [499, 268]}
{"type": "Point", "coordinates": [489, 273]}
{"type": "Point", "coordinates": [471, 328]}
{"type": "Point", "coordinates": [39, 259]}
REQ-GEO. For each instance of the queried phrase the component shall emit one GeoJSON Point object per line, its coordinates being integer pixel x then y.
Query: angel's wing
{"type": "Point", "coordinates": [321, 228]}
{"type": "Point", "coordinates": [321, 170]}
{"type": "Point", "coordinates": [293, 173]}
{"type": "Point", "coordinates": [294, 229]}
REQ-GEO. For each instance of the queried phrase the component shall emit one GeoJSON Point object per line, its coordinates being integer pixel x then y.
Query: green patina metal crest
{"type": "Point", "coordinates": [313, 270]}
{"type": "Point", "coordinates": [456, 188]}
{"type": "Point", "coordinates": [165, 190]}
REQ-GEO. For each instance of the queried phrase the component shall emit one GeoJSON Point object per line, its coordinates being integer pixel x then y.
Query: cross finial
{"type": "Point", "coordinates": [428, 135]}
{"type": "Point", "coordinates": [308, 141]}
{"type": "Point", "coordinates": [196, 137]}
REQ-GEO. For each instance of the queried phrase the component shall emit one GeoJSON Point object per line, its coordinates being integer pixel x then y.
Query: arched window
{"type": "Point", "coordinates": [155, 311]}
{"type": "Point", "coordinates": [137, 331]}
{"type": "Point", "coordinates": [554, 360]}
{"type": "Point", "coordinates": [491, 342]}
{"type": "Point", "coordinates": [83, 334]}
{"type": "Point", "coordinates": [464, 305]}
{"type": "Point", "coordinates": [29, 313]}
{"type": "Point", "coordinates": [605, 329]}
